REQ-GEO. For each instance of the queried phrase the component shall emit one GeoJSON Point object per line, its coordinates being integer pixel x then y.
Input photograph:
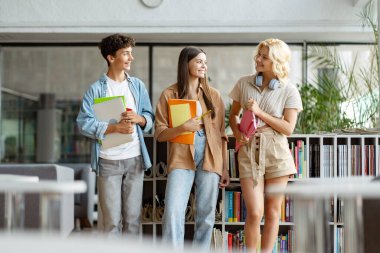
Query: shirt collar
{"type": "Point", "coordinates": [103, 78]}
{"type": "Point", "coordinates": [174, 88]}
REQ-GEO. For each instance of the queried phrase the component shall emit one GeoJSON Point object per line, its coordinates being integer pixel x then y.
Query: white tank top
{"type": "Point", "coordinates": [199, 111]}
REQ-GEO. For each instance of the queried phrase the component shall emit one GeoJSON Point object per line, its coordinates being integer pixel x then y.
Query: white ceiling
{"type": "Point", "coordinates": [203, 21]}
{"type": "Point", "coordinates": [189, 37]}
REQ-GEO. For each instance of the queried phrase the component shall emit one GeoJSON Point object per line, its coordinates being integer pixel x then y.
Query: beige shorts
{"type": "Point", "coordinates": [266, 156]}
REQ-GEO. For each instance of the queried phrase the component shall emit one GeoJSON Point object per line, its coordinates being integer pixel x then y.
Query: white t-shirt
{"type": "Point", "coordinates": [129, 149]}
{"type": "Point", "coordinates": [199, 111]}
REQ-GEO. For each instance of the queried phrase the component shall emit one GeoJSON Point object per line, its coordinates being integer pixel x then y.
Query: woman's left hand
{"type": "Point", "coordinates": [224, 180]}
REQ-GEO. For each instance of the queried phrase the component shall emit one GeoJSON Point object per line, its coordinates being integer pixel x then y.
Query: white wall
{"type": "Point", "coordinates": [182, 21]}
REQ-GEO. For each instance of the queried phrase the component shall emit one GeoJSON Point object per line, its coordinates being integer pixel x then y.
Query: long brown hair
{"type": "Point", "coordinates": [186, 55]}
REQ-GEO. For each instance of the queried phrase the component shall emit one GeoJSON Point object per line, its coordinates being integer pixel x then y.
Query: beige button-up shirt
{"type": "Point", "coordinates": [272, 102]}
{"type": "Point", "coordinates": [181, 156]}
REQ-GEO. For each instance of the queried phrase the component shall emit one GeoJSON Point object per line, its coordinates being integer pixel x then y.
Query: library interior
{"type": "Point", "coordinates": [49, 57]}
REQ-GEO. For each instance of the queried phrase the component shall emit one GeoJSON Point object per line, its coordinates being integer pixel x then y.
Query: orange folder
{"type": "Point", "coordinates": [187, 138]}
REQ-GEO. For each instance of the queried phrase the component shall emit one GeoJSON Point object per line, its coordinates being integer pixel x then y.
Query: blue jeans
{"type": "Point", "coordinates": [120, 188]}
{"type": "Point", "coordinates": [178, 188]}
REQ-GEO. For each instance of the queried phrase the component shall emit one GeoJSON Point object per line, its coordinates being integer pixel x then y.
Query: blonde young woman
{"type": "Point", "coordinates": [264, 159]}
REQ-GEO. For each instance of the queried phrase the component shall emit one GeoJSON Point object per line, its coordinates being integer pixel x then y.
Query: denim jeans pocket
{"type": "Point", "coordinates": [201, 133]}
{"type": "Point", "coordinates": [109, 167]}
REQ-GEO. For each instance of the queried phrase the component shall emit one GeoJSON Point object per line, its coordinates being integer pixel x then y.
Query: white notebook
{"type": "Point", "coordinates": [110, 111]}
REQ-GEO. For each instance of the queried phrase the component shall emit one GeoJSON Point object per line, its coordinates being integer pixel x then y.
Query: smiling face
{"type": "Point", "coordinates": [122, 59]}
{"type": "Point", "coordinates": [263, 63]}
{"type": "Point", "coordinates": [198, 66]}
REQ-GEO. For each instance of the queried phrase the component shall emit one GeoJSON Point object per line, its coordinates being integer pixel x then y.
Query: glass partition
{"type": "Point", "coordinates": [63, 71]}
{"type": "Point", "coordinates": [226, 64]}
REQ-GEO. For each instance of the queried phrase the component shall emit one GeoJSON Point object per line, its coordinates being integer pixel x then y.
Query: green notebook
{"type": "Point", "coordinates": [109, 109]}
{"type": "Point", "coordinates": [101, 100]}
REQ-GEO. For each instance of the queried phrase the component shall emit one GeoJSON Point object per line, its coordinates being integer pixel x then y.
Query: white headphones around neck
{"type": "Point", "coordinates": [273, 84]}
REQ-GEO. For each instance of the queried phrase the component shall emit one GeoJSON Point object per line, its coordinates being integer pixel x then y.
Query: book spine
{"type": "Point", "coordinates": [237, 196]}
{"type": "Point", "coordinates": [230, 206]}
{"type": "Point", "coordinates": [226, 203]}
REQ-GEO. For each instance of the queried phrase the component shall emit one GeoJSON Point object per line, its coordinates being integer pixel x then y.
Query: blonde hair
{"type": "Point", "coordinates": [280, 55]}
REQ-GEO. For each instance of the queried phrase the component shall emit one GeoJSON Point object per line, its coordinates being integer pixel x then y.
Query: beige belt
{"type": "Point", "coordinates": [258, 170]}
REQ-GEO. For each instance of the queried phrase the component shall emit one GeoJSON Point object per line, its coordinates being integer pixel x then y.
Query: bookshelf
{"type": "Point", "coordinates": [340, 155]}
{"type": "Point", "coordinates": [232, 229]}
{"type": "Point", "coordinates": [322, 156]}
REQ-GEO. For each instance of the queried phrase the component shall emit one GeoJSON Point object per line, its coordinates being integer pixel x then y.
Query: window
{"type": "Point", "coordinates": [352, 70]}
{"type": "Point", "coordinates": [226, 64]}
{"type": "Point", "coordinates": [66, 72]}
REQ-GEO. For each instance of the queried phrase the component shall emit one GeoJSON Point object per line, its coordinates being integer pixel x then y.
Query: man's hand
{"type": "Point", "coordinates": [125, 127]}
{"type": "Point", "coordinates": [133, 117]}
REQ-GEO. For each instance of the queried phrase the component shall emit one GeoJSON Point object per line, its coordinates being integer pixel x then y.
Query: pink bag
{"type": "Point", "coordinates": [247, 126]}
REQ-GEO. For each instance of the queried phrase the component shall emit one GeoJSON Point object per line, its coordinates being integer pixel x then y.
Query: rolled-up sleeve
{"type": "Point", "coordinates": [235, 92]}
{"type": "Point", "coordinates": [87, 124]}
{"type": "Point", "coordinates": [162, 117]}
{"type": "Point", "coordinates": [221, 117]}
{"type": "Point", "coordinates": [223, 134]}
{"type": "Point", "coordinates": [146, 109]}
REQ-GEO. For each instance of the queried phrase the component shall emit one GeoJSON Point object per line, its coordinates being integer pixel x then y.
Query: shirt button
{"type": "Point", "coordinates": [257, 149]}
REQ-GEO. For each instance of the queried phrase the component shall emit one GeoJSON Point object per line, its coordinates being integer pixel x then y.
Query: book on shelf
{"type": "Point", "coordinates": [230, 242]}
{"type": "Point", "coordinates": [314, 160]}
{"type": "Point", "coordinates": [237, 202]}
{"type": "Point", "coordinates": [230, 198]}
{"type": "Point", "coordinates": [181, 110]}
{"type": "Point", "coordinates": [291, 210]}
{"type": "Point", "coordinates": [232, 163]}
{"type": "Point", "coordinates": [243, 209]}
{"type": "Point", "coordinates": [234, 206]}
{"type": "Point", "coordinates": [109, 109]}
{"type": "Point", "coordinates": [235, 241]}
{"type": "Point", "coordinates": [299, 151]}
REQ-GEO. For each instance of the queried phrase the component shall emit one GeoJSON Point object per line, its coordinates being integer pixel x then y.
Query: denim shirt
{"type": "Point", "coordinates": [89, 126]}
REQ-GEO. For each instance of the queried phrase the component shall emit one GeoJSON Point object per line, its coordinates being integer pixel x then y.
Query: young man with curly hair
{"type": "Point", "coordinates": [120, 169]}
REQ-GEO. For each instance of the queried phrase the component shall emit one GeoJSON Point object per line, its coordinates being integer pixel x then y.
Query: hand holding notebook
{"type": "Point", "coordinates": [247, 126]}
{"type": "Point", "coordinates": [109, 109]}
{"type": "Point", "coordinates": [180, 111]}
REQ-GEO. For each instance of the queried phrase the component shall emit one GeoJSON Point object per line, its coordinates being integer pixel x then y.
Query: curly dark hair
{"type": "Point", "coordinates": [109, 45]}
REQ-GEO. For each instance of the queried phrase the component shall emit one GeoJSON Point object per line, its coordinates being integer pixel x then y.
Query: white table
{"type": "Point", "coordinates": [18, 178]}
{"type": "Point", "coordinates": [14, 203]}
{"type": "Point", "coordinates": [94, 243]}
{"type": "Point", "coordinates": [50, 194]}
{"type": "Point", "coordinates": [311, 206]}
